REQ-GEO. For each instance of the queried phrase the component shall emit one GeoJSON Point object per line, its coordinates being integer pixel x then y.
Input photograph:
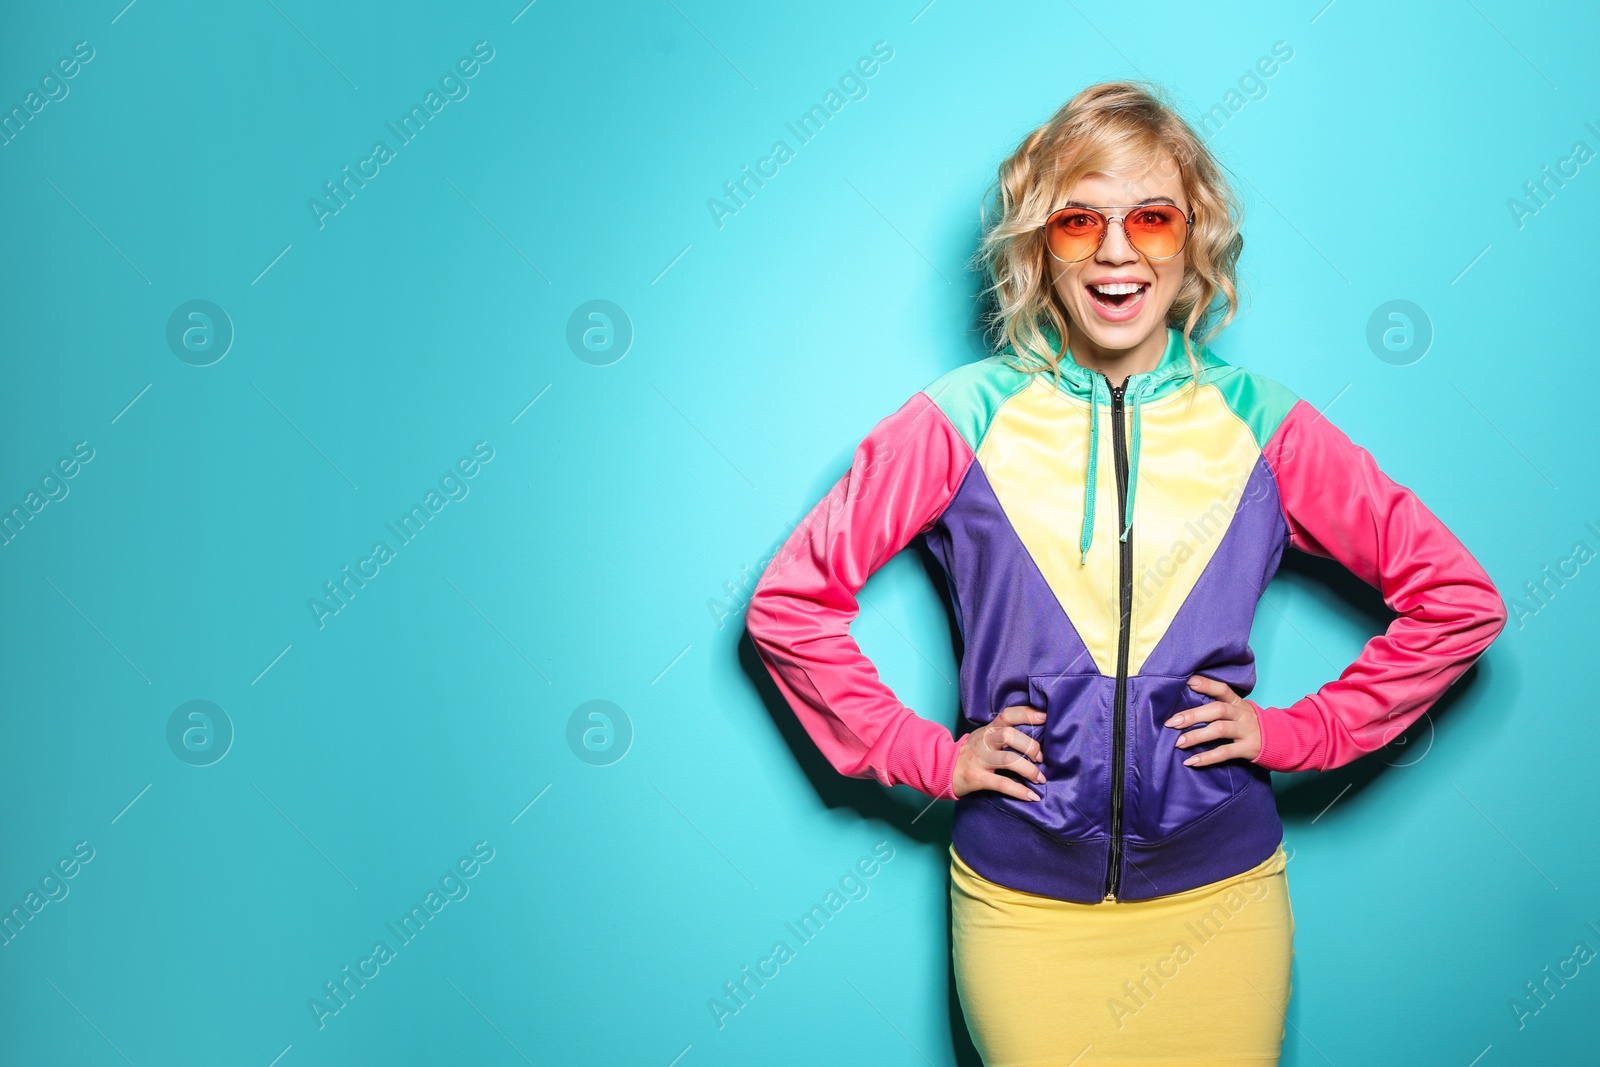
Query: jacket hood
{"type": "Point", "coordinates": [1172, 371]}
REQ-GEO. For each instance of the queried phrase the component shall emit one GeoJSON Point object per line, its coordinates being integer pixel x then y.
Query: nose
{"type": "Point", "coordinates": [1115, 248]}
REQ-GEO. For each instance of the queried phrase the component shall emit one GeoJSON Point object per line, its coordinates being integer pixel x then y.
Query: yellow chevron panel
{"type": "Point", "coordinates": [1034, 457]}
{"type": "Point", "coordinates": [1195, 457]}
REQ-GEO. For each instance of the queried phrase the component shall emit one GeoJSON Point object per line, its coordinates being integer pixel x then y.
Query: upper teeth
{"type": "Point", "coordinates": [1119, 288]}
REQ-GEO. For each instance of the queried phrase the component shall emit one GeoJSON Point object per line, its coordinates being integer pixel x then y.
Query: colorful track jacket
{"type": "Point", "coordinates": [1102, 545]}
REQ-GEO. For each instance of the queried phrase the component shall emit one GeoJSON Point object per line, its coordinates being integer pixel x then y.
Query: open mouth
{"type": "Point", "coordinates": [1121, 296]}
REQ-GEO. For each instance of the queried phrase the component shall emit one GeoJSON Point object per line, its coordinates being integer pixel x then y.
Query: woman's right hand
{"type": "Point", "coordinates": [997, 746]}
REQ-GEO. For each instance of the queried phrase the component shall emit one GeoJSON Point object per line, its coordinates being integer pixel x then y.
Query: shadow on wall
{"type": "Point", "coordinates": [1307, 794]}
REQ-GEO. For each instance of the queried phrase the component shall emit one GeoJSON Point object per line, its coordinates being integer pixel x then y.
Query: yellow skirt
{"type": "Point", "coordinates": [1198, 978]}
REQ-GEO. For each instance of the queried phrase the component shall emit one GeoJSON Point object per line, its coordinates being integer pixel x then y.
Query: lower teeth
{"type": "Point", "coordinates": [1120, 301]}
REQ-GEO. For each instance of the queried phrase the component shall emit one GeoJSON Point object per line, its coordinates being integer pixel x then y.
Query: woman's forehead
{"type": "Point", "coordinates": [1152, 177]}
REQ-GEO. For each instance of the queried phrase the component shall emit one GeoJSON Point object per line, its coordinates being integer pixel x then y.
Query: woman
{"type": "Point", "coordinates": [1108, 501]}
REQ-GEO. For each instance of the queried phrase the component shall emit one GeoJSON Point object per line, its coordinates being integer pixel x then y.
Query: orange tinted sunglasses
{"type": "Point", "coordinates": [1158, 231]}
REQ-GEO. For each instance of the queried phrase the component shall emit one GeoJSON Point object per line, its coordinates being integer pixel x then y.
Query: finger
{"type": "Point", "coordinates": [1017, 714]}
{"type": "Point", "coordinates": [994, 752]}
{"type": "Point", "coordinates": [1018, 762]}
{"type": "Point", "coordinates": [1207, 712]}
{"type": "Point", "coordinates": [1211, 687]}
{"type": "Point", "coordinates": [1022, 714]}
{"type": "Point", "coordinates": [1009, 786]}
{"type": "Point", "coordinates": [1027, 765]}
{"type": "Point", "coordinates": [1027, 769]}
{"type": "Point", "coordinates": [1216, 755]}
{"type": "Point", "coordinates": [1209, 732]}
{"type": "Point", "coordinates": [1015, 738]}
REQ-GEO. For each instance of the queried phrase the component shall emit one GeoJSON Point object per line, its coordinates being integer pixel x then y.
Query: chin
{"type": "Point", "coordinates": [1116, 335]}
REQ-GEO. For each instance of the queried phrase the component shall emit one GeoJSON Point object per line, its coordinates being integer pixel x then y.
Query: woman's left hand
{"type": "Point", "coordinates": [1228, 715]}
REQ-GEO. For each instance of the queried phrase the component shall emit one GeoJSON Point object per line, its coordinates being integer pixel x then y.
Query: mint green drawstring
{"type": "Point", "coordinates": [1087, 534]}
{"type": "Point", "coordinates": [1086, 537]}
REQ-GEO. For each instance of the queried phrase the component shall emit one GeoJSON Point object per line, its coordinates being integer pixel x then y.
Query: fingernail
{"type": "Point", "coordinates": [1190, 761]}
{"type": "Point", "coordinates": [1171, 722]}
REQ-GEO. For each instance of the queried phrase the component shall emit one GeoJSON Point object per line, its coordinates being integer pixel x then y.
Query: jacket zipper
{"type": "Point", "coordinates": [1125, 606]}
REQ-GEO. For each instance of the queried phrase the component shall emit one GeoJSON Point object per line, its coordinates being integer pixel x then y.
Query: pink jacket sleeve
{"type": "Point", "coordinates": [1339, 504]}
{"type": "Point", "coordinates": [903, 475]}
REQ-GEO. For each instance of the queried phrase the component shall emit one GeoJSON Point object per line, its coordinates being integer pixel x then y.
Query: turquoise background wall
{"type": "Point", "coordinates": [227, 380]}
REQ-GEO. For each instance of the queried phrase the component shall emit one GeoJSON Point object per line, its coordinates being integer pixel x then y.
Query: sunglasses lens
{"type": "Point", "coordinates": [1074, 233]}
{"type": "Point", "coordinates": [1158, 231]}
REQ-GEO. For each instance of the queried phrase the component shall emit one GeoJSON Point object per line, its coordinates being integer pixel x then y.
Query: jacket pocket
{"type": "Point", "coordinates": [1161, 796]}
{"type": "Point", "coordinates": [1076, 742]}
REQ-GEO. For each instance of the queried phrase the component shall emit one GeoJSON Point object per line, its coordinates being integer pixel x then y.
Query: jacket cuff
{"type": "Point", "coordinates": [1286, 743]}
{"type": "Point", "coordinates": [923, 756]}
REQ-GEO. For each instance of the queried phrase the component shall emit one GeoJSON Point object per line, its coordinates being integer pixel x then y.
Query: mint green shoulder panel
{"type": "Point", "coordinates": [972, 394]}
{"type": "Point", "coordinates": [1260, 402]}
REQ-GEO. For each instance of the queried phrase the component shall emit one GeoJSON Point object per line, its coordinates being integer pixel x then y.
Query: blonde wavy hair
{"type": "Point", "coordinates": [1120, 126]}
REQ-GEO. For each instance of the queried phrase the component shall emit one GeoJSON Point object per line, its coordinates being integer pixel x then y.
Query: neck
{"type": "Point", "coordinates": [1117, 363]}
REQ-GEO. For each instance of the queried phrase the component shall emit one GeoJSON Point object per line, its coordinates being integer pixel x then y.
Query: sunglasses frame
{"type": "Point", "coordinates": [1188, 228]}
